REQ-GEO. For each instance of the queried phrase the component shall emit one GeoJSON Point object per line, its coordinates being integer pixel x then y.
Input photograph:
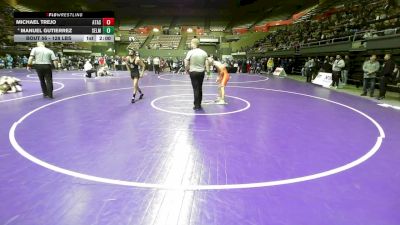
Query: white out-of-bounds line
{"type": "Point", "coordinates": [389, 106]}
{"type": "Point", "coordinates": [182, 187]}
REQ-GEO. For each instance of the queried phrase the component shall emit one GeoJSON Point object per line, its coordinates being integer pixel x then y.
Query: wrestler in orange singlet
{"type": "Point", "coordinates": [222, 80]}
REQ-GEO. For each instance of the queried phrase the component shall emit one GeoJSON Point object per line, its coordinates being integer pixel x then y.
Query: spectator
{"type": "Point", "coordinates": [102, 61]}
{"type": "Point", "coordinates": [24, 61]}
{"type": "Point", "coordinates": [304, 70]}
{"type": "Point", "coordinates": [149, 64]}
{"type": "Point", "coordinates": [346, 69]}
{"type": "Point", "coordinates": [2, 63]}
{"type": "Point", "coordinates": [318, 66]}
{"type": "Point", "coordinates": [248, 66]}
{"type": "Point", "coordinates": [169, 63]}
{"type": "Point", "coordinates": [310, 69]}
{"type": "Point", "coordinates": [156, 63]}
{"type": "Point", "coordinates": [290, 66]}
{"type": "Point", "coordinates": [240, 64]}
{"type": "Point", "coordinates": [108, 62]}
{"type": "Point", "coordinates": [10, 61]}
{"type": "Point", "coordinates": [270, 65]}
{"type": "Point", "coordinates": [370, 68]}
{"type": "Point", "coordinates": [96, 63]}
{"type": "Point", "coordinates": [386, 76]}
{"type": "Point", "coordinates": [162, 64]}
{"type": "Point", "coordinates": [328, 64]}
{"type": "Point", "coordinates": [258, 67]}
{"type": "Point", "coordinates": [116, 64]}
{"type": "Point", "coordinates": [396, 74]}
{"type": "Point", "coordinates": [343, 23]}
{"type": "Point", "coordinates": [244, 66]}
{"type": "Point", "coordinates": [337, 67]}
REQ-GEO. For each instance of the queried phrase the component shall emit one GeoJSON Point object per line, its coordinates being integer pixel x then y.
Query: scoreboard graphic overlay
{"type": "Point", "coordinates": [64, 26]}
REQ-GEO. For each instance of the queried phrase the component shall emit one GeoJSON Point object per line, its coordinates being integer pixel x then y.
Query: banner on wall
{"type": "Point", "coordinates": [238, 53]}
{"type": "Point", "coordinates": [76, 51]}
{"type": "Point", "coordinates": [209, 40]}
{"type": "Point", "coordinates": [323, 79]}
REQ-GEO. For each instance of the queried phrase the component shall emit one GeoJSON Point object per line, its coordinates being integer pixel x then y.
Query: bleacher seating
{"type": "Point", "coordinates": [191, 36]}
{"type": "Point", "coordinates": [165, 42]}
{"type": "Point", "coordinates": [136, 41]}
{"type": "Point", "coordinates": [338, 21]}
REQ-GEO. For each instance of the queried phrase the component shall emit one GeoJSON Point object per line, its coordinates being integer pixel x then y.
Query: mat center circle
{"type": "Point", "coordinates": [182, 104]}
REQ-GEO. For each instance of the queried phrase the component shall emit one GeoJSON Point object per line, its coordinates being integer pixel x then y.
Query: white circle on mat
{"type": "Point", "coordinates": [181, 187]}
{"type": "Point", "coordinates": [33, 95]}
{"type": "Point", "coordinates": [162, 77]}
{"type": "Point", "coordinates": [154, 105]}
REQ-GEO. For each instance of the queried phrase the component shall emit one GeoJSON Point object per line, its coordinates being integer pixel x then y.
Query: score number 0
{"type": "Point", "coordinates": [108, 21]}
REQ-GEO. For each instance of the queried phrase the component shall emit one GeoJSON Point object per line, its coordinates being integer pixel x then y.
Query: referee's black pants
{"type": "Point", "coordinates": [89, 73]}
{"type": "Point", "coordinates": [46, 79]}
{"type": "Point", "coordinates": [197, 84]}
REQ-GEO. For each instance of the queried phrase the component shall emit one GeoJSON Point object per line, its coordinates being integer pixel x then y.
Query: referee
{"type": "Point", "coordinates": [44, 57]}
{"type": "Point", "coordinates": [196, 63]}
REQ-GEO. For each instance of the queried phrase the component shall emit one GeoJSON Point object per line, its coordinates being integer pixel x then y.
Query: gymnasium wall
{"type": "Point", "coordinates": [224, 48]}
{"type": "Point", "coordinates": [120, 49]}
{"type": "Point", "coordinates": [210, 49]}
{"type": "Point", "coordinates": [372, 45]}
{"type": "Point", "coordinates": [163, 53]}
